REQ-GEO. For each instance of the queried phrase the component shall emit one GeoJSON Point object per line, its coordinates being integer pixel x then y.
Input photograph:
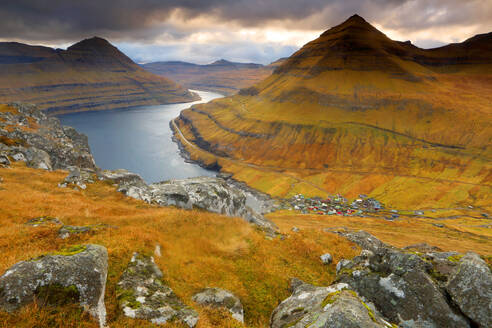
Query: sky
{"type": "Point", "coordinates": [261, 31]}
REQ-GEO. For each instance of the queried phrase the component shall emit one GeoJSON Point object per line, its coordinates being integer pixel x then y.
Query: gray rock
{"type": "Point", "coordinates": [221, 298]}
{"type": "Point", "coordinates": [68, 230]}
{"type": "Point", "coordinates": [399, 284]}
{"type": "Point", "coordinates": [295, 229]}
{"type": "Point", "coordinates": [470, 287]}
{"type": "Point", "coordinates": [76, 274]}
{"type": "Point", "coordinates": [143, 294]}
{"type": "Point", "coordinates": [4, 160]}
{"type": "Point", "coordinates": [329, 307]}
{"type": "Point", "coordinates": [49, 146]}
{"type": "Point", "coordinates": [326, 258]}
{"type": "Point", "coordinates": [43, 220]}
{"type": "Point", "coordinates": [122, 178]}
{"type": "Point", "coordinates": [78, 177]}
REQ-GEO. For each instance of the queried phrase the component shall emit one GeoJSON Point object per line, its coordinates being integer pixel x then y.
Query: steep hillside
{"type": "Point", "coordinates": [220, 76]}
{"type": "Point", "coordinates": [89, 75]}
{"type": "Point", "coordinates": [356, 112]}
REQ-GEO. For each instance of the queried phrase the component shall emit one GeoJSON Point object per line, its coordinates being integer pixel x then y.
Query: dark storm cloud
{"type": "Point", "coordinates": [132, 19]}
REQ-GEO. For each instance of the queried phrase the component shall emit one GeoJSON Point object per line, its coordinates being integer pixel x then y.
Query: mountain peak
{"type": "Point", "coordinates": [94, 43]}
{"type": "Point", "coordinates": [222, 62]}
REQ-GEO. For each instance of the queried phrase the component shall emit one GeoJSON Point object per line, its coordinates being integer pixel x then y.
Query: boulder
{"type": "Point", "coordinates": [76, 274]}
{"type": "Point", "coordinates": [43, 220]}
{"type": "Point", "coordinates": [68, 230]}
{"type": "Point", "coordinates": [78, 177]}
{"type": "Point", "coordinates": [401, 285]}
{"type": "Point", "coordinates": [144, 295]}
{"type": "Point", "coordinates": [470, 287]}
{"type": "Point", "coordinates": [4, 160]}
{"type": "Point", "coordinates": [330, 307]}
{"type": "Point", "coordinates": [326, 258]}
{"type": "Point", "coordinates": [220, 298]}
{"type": "Point", "coordinates": [122, 178]}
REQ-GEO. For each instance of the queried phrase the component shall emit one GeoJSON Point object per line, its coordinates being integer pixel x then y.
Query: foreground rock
{"type": "Point", "coordinates": [407, 287]}
{"type": "Point", "coordinates": [220, 298]}
{"type": "Point", "coordinates": [470, 286]}
{"type": "Point", "coordinates": [77, 274]}
{"type": "Point", "coordinates": [212, 194]}
{"type": "Point", "coordinates": [143, 295]}
{"type": "Point", "coordinates": [27, 134]}
{"type": "Point", "coordinates": [330, 307]}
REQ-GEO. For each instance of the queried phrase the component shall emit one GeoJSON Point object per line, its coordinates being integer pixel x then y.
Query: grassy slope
{"type": "Point", "coordinates": [376, 122]}
{"type": "Point", "coordinates": [199, 248]}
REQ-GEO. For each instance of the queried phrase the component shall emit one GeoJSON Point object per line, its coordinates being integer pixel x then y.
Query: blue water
{"type": "Point", "coordinates": [138, 139]}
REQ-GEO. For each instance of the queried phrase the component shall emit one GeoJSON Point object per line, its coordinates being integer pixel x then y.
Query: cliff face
{"type": "Point", "coordinates": [89, 75]}
{"type": "Point", "coordinates": [357, 103]}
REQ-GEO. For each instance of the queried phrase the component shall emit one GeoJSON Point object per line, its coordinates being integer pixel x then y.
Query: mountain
{"type": "Point", "coordinates": [356, 112]}
{"type": "Point", "coordinates": [220, 76]}
{"type": "Point", "coordinates": [89, 75]}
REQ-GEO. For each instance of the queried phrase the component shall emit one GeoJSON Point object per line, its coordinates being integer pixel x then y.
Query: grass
{"type": "Point", "coordinates": [199, 249]}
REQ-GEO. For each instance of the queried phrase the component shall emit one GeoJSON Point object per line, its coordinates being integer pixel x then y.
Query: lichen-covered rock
{"type": "Point", "coordinates": [41, 141]}
{"type": "Point", "coordinates": [43, 220]}
{"type": "Point", "coordinates": [142, 294]}
{"type": "Point", "coordinates": [326, 258]}
{"type": "Point", "coordinates": [220, 298]}
{"type": "Point", "coordinates": [78, 177]}
{"type": "Point", "coordinates": [208, 193]}
{"type": "Point", "coordinates": [399, 283]}
{"type": "Point", "coordinates": [470, 287]}
{"type": "Point", "coordinates": [329, 307]}
{"type": "Point", "coordinates": [4, 160]}
{"type": "Point", "coordinates": [69, 230]}
{"type": "Point", "coordinates": [74, 274]}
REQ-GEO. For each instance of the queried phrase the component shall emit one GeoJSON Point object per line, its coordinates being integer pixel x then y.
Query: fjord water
{"type": "Point", "coordinates": [138, 139]}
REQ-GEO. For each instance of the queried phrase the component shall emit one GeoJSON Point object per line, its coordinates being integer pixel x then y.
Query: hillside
{"type": "Point", "coordinates": [221, 76]}
{"type": "Point", "coordinates": [89, 75]}
{"type": "Point", "coordinates": [356, 112]}
{"type": "Point", "coordinates": [81, 222]}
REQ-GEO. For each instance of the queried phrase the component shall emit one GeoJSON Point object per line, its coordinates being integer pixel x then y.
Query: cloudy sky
{"type": "Point", "coordinates": [262, 31]}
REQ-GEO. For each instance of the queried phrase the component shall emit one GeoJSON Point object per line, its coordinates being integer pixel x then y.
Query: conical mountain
{"type": "Point", "coordinates": [355, 111]}
{"type": "Point", "coordinates": [90, 75]}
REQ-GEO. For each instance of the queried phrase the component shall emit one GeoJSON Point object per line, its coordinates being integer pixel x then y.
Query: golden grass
{"type": "Point", "coordinates": [198, 248]}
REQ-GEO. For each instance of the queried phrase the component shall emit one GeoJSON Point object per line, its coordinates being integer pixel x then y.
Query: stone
{"type": "Point", "coordinates": [326, 258]}
{"type": "Point", "coordinates": [332, 307]}
{"type": "Point", "coordinates": [68, 230]}
{"type": "Point", "coordinates": [220, 298]}
{"type": "Point", "coordinates": [295, 229]}
{"type": "Point", "coordinates": [4, 160]}
{"type": "Point", "coordinates": [422, 247]}
{"type": "Point", "coordinates": [76, 274]}
{"type": "Point", "coordinates": [142, 294]}
{"type": "Point", "coordinates": [19, 157]}
{"type": "Point", "coordinates": [78, 177]}
{"type": "Point", "coordinates": [470, 287]}
{"type": "Point", "coordinates": [399, 284]}
{"type": "Point", "coordinates": [43, 220]}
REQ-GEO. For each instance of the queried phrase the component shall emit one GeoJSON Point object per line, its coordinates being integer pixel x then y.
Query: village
{"type": "Point", "coordinates": [339, 205]}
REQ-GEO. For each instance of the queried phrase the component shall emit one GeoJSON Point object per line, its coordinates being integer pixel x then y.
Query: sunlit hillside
{"type": "Point", "coordinates": [355, 112]}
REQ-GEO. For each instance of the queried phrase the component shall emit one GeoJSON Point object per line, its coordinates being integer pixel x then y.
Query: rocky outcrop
{"type": "Point", "coordinates": [78, 178]}
{"type": "Point", "coordinates": [27, 134]}
{"type": "Point", "coordinates": [409, 288]}
{"type": "Point", "coordinates": [77, 274]}
{"type": "Point", "coordinates": [470, 287]}
{"type": "Point", "coordinates": [326, 258]}
{"type": "Point", "coordinates": [212, 194]}
{"type": "Point", "coordinates": [332, 307]}
{"type": "Point", "coordinates": [220, 298]}
{"type": "Point", "coordinates": [144, 295]}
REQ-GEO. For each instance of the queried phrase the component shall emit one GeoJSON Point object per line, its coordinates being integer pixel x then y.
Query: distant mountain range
{"type": "Point", "coordinates": [354, 111]}
{"type": "Point", "coordinates": [90, 75]}
{"type": "Point", "coordinates": [220, 76]}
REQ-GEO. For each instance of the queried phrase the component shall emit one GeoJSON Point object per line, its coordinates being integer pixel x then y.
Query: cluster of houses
{"type": "Point", "coordinates": [335, 205]}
